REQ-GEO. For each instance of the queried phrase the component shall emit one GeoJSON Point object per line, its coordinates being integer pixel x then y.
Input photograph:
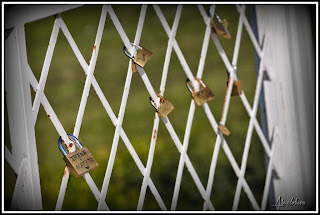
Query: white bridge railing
{"type": "Point", "coordinates": [23, 113]}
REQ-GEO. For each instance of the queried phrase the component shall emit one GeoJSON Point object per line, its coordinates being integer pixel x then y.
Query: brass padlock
{"type": "Point", "coordinates": [224, 130]}
{"type": "Point", "coordinates": [220, 26]}
{"type": "Point", "coordinates": [236, 86]}
{"type": "Point", "coordinates": [134, 67]}
{"type": "Point", "coordinates": [201, 96]}
{"type": "Point", "coordinates": [80, 161]}
{"type": "Point", "coordinates": [165, 106]}
{"type": "Point", "coordinates": [142, 56]}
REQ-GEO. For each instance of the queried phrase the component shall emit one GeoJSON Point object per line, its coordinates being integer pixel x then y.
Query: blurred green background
{"type": "Point", "coordinates": [64, 89]}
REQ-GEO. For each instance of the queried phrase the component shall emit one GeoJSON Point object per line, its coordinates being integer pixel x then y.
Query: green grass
{"type": "Point", "coordinates": [64, 89]}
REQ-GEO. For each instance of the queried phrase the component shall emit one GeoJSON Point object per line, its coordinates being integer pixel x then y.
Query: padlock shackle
{"type": "Point", "coordinates": [152, 103]}
{"type": "Point", "coordinates": [73, 139]}
{"type": "Point", "coordinates": [162, 99]}
{"type": "Point", "coordinates": [200, 81]}
{"type": "Point", "coordinates": [126, 52]}
{"type": "Point", "coordinates": [188, 83]}
{"type": "Point", "coordinates": [235, 72]}
{"type": "Point", "coordinates": [136, 45]}
{"type": "Point", "coordinates": [215, 14]}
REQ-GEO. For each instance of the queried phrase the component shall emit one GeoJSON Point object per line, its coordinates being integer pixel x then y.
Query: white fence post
{"type": "Point", "coordinates": [290, 102]}
{"type": "Point", "coordinates": [27, 193]}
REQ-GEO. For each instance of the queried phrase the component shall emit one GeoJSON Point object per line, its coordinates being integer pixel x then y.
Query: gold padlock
{"type": "Point", "coordinates": [134, 67]}
{"type": "Point", "coordinates": [236, 88]}
{"type": "Point", "coordinates": [220, 26]}
{"type": "Point", "coordinates": [165, 106]}
{"type": "Point", "coordinates": [202, 96]}
{"type": "Point", "coordinates": [80, 161]}
{"type": "Point", "coordinates": [223, 129]}
{"type": "Point", "coordinates": [142, 56]}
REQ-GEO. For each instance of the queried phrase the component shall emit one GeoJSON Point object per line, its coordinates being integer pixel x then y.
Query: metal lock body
{"type": "Point", "coordinates": [202, 96]}
{"type": "Point", "coordinates": [220, 26]}
{"type": "Point", "coordinates": [224, 130]}
{"type": "Point", "coordinates": [165, 106]}
{"type": "Point", "coordinates": [236, 86]}
{"type": "Point", "coordinates": [142, 56]}
{"type": "Point", "coordinates": [80, 161]}
{"type": "Point", "coordinates": [134, 67]}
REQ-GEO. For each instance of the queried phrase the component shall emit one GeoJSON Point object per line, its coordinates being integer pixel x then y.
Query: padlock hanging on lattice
{"type": "Point", "coordinates": [80, 161]}
{"type": "Point", "coordinates": [220, 26]}
{"type": "Point", "coordinates": [141, 58]}
{"type": "Point", "coordinates": [223, 129]}
{"type": "Point", "coordinates": [236, 87]}
{"type": "Point", "coordinates": [201, 96]}
{"type": "Point", "coordinates": [164, 107]}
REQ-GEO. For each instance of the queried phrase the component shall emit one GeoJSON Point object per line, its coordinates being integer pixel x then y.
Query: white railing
{"type": "Point", "coordinates": [25, 164]}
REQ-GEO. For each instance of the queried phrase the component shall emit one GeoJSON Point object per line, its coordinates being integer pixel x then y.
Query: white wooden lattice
{"type": "Point", "coordinates": [182, 146]}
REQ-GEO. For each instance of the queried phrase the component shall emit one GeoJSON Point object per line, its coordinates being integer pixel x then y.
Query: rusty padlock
{"type": "Point", "coordinates": [142, 56]}
{"type": "Point", "coordinates": [220, 26]}
{"type": "Point", "coordinates": [165, 107]}
{"type": "Point", "coordinates": [202, 96]}
{"type": "Point", "coordinates": [236, 87]}
{"type": "Point", "coordinates": [80, 161]}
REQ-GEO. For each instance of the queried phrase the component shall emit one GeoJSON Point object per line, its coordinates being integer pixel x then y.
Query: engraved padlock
{"type": "Point", "coordinates": [142, 56]}
{"type": "Point", "coordinates": [236, 87]}
{"type": "Point", "coordinates": [220, 26]}
{"type": "Point", "coordinates": [80, 161]}
{"type": "Point", "coordinates": [164, 107]}
{"type": "Point", "coordinates": [202, 96]}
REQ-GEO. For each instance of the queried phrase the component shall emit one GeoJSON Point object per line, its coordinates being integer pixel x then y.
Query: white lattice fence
{"type": "Point", "coordinates": [27, 168]}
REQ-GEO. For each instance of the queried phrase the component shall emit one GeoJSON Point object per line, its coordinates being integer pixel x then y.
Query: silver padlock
{"type": "Point", "coordinates": [80, 161]}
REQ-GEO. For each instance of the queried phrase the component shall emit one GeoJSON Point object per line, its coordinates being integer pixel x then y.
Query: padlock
{"type": "Point", "coordinates": [142, 56]}
{"type": "Point", "coordinates": [201, 96]}
{"type": "Point", "coordinates": [220, 26]}
{"type": "Point", "coordinates": [223, 129]}
{"type": "Point", "coordinates": [165, 106]}
{"type": "Point", "coordinates": [80, 161]}
{"type": "Point", "coordinates": [236, 87]}
{"type": "Point", "coordinates": [134, 67]}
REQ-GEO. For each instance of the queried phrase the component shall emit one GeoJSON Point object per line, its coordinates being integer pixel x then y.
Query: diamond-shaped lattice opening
{"type": "Point", "coordinates": [82, 23]}
{"type": "Point", "coordinates": [37, 35]}
{"type": "Point", "coordinates": [125, 181]}
{"type": "Point", "coordinates": [224, 186]}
